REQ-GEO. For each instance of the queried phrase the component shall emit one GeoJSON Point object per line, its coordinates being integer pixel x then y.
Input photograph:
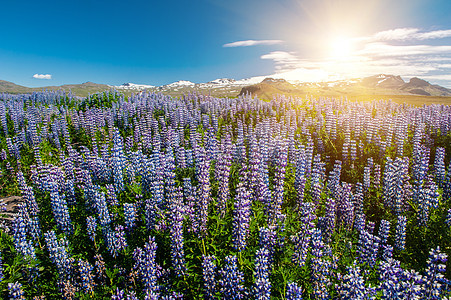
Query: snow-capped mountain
{"type": "Point", "coordinates": [222, 81]}
{"type": "Point", "coordinates": [133, 86]}
{"type": "Point", "coordinates": [180, 83]}
{"type": "Point", "coordinates": [381, 84]}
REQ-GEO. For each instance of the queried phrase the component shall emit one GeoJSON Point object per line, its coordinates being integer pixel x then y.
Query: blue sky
{"type": "Point", "coordinates": [159, 42]}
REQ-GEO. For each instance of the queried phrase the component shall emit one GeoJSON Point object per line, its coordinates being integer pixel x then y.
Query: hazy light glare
{"type": "Point", "coordinates": [341, 48]}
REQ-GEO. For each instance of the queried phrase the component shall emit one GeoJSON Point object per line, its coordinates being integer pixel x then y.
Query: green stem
{"type": "Point", "coordinates": [204, 252]}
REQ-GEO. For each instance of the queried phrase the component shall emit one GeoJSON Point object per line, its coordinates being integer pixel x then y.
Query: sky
{"type": "Point", "coordinates": [46, 43]}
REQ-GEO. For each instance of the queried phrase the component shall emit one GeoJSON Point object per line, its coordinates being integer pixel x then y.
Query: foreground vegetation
{"type": "Point", "coordinates": [153, 197]}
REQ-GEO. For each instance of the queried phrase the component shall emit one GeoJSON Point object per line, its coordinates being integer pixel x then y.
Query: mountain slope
{"type": "Point", "coordinates": [422, 87]}
{"type": "Point", "coordinates": [9, 87]}
{"type": "Point", "coordinates": [270, 87]}
{"type": "Point", "coordinates": [381, 84]}
{"type": "Point", "coordinates": [82, 90]}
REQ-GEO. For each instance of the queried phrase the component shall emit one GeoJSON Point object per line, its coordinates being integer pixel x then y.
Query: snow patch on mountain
{"type": "Point", "coordinates": [133, 86]}
{"type": "Point", "coordinates": [180, 83]}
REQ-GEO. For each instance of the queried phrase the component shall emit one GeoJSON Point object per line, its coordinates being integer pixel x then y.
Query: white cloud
{"type": "Point", "coordinates": [446, 77]}
{"type": "Point", "coordinates": [283, 60]}
{"type": "Point", "coordinates": [383, 49]}
{"type": "Point", "coordinates": [438, 34]}
{"type": "Point", "coordinates": [42, 76]}
{"type": "Point", "coordinates": [401, 51]}
{"type": "Point", "coordinates": [395, 34]}
{"type": "Point", "coordinates": [406, 34]}
{"type": "Point", "coordinates": [248, 43]}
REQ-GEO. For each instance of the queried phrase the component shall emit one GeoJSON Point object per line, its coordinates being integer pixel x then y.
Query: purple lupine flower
{"type": "Point", "coordinates": [447, 184]}
{"type": "Point", "coordinates": [151, 296]}
{"type": "Point", "coordinates": [294, 292]}
{"type": "Point", "coordinates": [439, 166]}
{"type": "Point", "coordinates": [231, 280]}
{"type": "Point", "coordinates": [370, 226]}
{"type": "Point", "coordinates": [301, 247]}
{"type": "Point", "coordinates": [400, 235]}
{"type": "Point", "coordinates": [129, 215]}
{"type": "Point", "coordinates": [262, 272]}
{"type": "Point", "coordinates": [100, 270]}
{"type": "Point", "coordinates": [67, 288]}
{"type": "Point", "coordinates": [279, 180]}
{"type": "Point", "coordinates": [393, 180]}
{"type": "Point", "coordinates": [86, 276]}
{"type": "Point", "coordinates": [190, 205]}
{"type": "Point", "coordinates": [366, 175]}
{"type": "Point", "coordinates": [28, 195]}
{"type": "Point", "coordinates": [91, 225]}
{"type": "Point", "coordinates": [423, 206]}
{"type": "Point", "coordinates": [70, 192]}
{"type": "Point", "coordinates": [410, 282]}
{"type": "Point", "coordinates": [384, 230]}
{"type": "Point", "coordinates": [58, 252]}
{"type": "Point", "coordinates": [448, 218]}
{"type": "Point", "coordinates": [21, 227]}
{"type": "Point", "coordinates": [267, 240]}
{"type": "Point", "coordinates": [241, 215]}
{"type": "Point", "coordinates": [132, 296]}
{"type": "Point", "coordinates": [264, 192]}
{"type": "Point", "coordinates": [119, 295]}
{"type": "Point", "coordinates": [302, 239]}
{"type": "Point", "coordinates": [434, 277]}
{"type": "Point", "coordinates": [111, 196]}
{"type": "Point", "coordinates": [60, 210]}
{"type": "Point", "coordinates": [387, 252]}
{"type": "Point", "coordinates": [121, 241]}
{"type": "Point", "coordinates": [377, 175]}
{"type": "Point", "coordinates": [2, 204]}
{"type": "Point", "coordinates": [319, 266]}
{"type": "Point", "coordinates": [176, 231]}
{"type": "Point", "coordinates": [118, 161]}
{"type": "Point", "coordinates": [101, 208]}
{"type": "Point", "coordinates": [353, 150]}
{"type": "Point", "coordinates": [3, 155]}
{"type": "Point", "coordinates": [110, 240]}
{"type": "Point", "coordinates": [15, 291]}
{"type": "Point", "coordinates": [359, 222]}
{"type": "Point", "coordinates": [146, 266]}
{"type": "Point", "coordinates": [300, 176]}
{"type": "Point", "coordinates": [334, 179]}
{"type": "Point", "coordinates": [368, 248]}
{"type": "Point", "coordinates": [209, 276]}
{"type": "Point", "coordinates": [204, 188]}
{"type": "Point", "coordinates": [344, 205]}
{"type": "Point", "coordinates": [327, 223]}
{"type": "Point", "coordinates": [353, 286]}
{"type": "Point", "coordinates": [397, 283]}
{"type": "Point", "coordinates": [255, 160]}
{"type": "Point", "coordinates": [181, 157]}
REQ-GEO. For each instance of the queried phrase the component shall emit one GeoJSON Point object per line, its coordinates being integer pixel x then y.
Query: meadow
{"type": "Point", "coordinates": [195, 197]}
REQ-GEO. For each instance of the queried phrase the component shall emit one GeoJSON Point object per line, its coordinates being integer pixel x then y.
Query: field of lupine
{"type": "Point", "coordinates": [153, 197]}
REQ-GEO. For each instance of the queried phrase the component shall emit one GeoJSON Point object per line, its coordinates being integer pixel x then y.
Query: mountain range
{"type": "Point", "coordinates": [266, 88]}
{"type": "Point", "coordinates": [379, 85]}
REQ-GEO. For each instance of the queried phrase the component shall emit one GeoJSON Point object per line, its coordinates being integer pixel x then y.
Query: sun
{"type": "Point", "coordinates": [341, 48]}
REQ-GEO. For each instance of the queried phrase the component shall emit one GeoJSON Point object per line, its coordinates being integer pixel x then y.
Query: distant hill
{"type": "Point", "coordinates": [82, 90]}
{"type": "Point", "coordinates": [270, 87]}
{"type": "Point", "coordinates": [9, 87]}
{"type": "Point", "coordinates": [381, 84]}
